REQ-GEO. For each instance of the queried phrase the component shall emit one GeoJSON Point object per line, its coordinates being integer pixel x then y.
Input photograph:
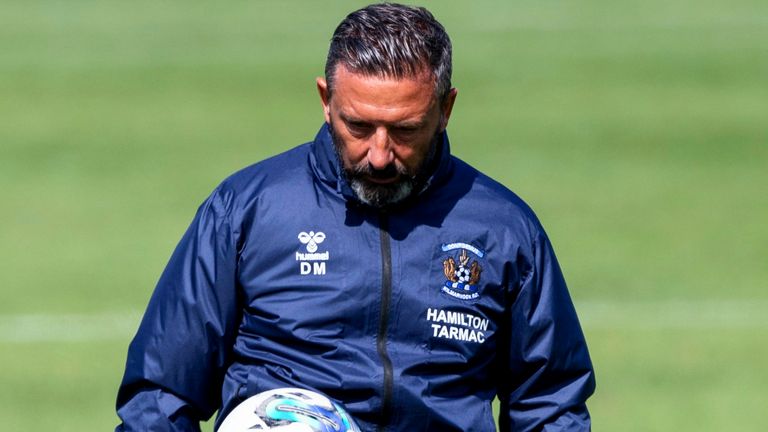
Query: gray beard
{"type": "Point", "coordinates": [383, 195]}
{"type": "Point", "coordinates": [380, 196]}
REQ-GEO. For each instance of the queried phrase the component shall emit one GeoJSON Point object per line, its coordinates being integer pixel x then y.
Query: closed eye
{"type": "Point", "coordinates": [406, 130]}
{"type": "Point", "coordinates": [359, 129]}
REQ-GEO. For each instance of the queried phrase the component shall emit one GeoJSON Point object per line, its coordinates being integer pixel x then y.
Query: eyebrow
{"type": "Point", "coordinates": [349, 119]}
{"type": "Point", "coordinates": [405, 124]}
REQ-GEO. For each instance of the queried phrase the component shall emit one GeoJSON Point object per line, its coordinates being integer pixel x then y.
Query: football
{"type": "Point", "coordinates": [288, 410]}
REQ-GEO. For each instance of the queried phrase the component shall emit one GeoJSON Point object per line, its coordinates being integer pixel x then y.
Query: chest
{"type": "Point", "coordinates": [329, 276]}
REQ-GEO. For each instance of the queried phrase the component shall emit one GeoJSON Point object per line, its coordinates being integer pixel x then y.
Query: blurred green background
{"type": "Point", "coordinates": [637, 130]}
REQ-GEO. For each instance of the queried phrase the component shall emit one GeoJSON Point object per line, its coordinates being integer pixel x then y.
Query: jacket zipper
{"type": "Point", "coordinates": [386, 296]}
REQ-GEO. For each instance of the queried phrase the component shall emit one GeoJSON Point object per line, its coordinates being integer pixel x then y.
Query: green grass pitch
{"type": "Point", "coordinates": [637, 130]}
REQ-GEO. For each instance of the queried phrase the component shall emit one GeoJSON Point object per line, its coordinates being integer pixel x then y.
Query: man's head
{"type": "Point", "coordinates": [387, 96]}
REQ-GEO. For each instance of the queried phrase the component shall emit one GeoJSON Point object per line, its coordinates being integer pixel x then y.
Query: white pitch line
{"type": "Point", "coordinates": [674, 314]}
{"type": "Point", "coordinates": [41, 327]}
{"type": "Point", "coordinates": [593, 314]}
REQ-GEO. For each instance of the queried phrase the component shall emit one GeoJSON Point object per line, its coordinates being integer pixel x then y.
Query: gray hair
{"type": "Point", "coordinates": [391, 40]}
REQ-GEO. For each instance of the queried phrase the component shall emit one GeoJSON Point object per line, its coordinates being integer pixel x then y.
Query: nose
{"type": "Point", "coordinates": [380, 152]}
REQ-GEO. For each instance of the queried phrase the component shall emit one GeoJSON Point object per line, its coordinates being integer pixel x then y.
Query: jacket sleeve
{"type": "Point", "coordinates": [177, 359]}
{"type": "Point", "coordinates": [550, 374]}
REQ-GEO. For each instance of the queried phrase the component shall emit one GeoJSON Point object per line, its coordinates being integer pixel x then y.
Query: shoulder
{"type": "Point", "coordinates": [286, 165]}
{"type": "Point", "coordinates": [274, 175]}
{"type": "Point", "coordinates": [506, 223]}
{"type": "Point", "coordinates": [495, 202]}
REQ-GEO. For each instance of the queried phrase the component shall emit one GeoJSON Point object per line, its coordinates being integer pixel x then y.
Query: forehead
{"type": "Point", "coordinates": [375, 98]}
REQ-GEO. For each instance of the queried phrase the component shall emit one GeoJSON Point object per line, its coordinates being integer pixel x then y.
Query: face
{"type": "Point", "coordinates": [384, 131]}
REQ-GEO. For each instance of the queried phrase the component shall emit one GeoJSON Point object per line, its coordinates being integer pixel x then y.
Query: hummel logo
{"type": "Point", "coordinates": [312, 262]}
{"type": "Point", "coordinates": [311, 239]}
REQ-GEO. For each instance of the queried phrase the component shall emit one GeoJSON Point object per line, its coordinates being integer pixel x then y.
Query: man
{"type": "Point", "coordinates": [369, 265]}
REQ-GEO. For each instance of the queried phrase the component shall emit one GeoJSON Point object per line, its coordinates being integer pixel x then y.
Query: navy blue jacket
{"type": "Point", "coordinates": [413, 318]}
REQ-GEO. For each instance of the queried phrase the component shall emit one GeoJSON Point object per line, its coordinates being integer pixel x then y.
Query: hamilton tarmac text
{"type": "Point", "coordinates": [457, 325]}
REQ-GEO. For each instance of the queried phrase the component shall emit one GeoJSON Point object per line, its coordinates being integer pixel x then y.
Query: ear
{"type": "Point", "coordinates": [447, 107]}
{"type": "Point", "coordinates": [325, 98]}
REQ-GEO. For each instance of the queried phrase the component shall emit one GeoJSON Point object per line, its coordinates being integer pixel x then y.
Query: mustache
{"type": "Point", "coordinates": [366, 170]}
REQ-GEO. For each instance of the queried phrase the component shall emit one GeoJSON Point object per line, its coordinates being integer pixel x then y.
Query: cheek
{"type": "Point", "coordinates": [412, 156]}
{"type": "Point", "coordinates": [407, 156]}
{"type": "Point", "coordinates": [353, 151]}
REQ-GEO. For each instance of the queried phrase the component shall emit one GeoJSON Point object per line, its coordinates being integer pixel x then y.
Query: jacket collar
{"type": "Point", "coordinates": [326, 165]}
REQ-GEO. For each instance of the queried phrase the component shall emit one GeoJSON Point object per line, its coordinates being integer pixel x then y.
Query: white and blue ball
{"type": "Point", "coordinates": [288, 410]}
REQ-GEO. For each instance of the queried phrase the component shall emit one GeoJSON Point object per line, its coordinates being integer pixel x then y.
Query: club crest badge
{"type": "Point", "coordinates": [462, 271]}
